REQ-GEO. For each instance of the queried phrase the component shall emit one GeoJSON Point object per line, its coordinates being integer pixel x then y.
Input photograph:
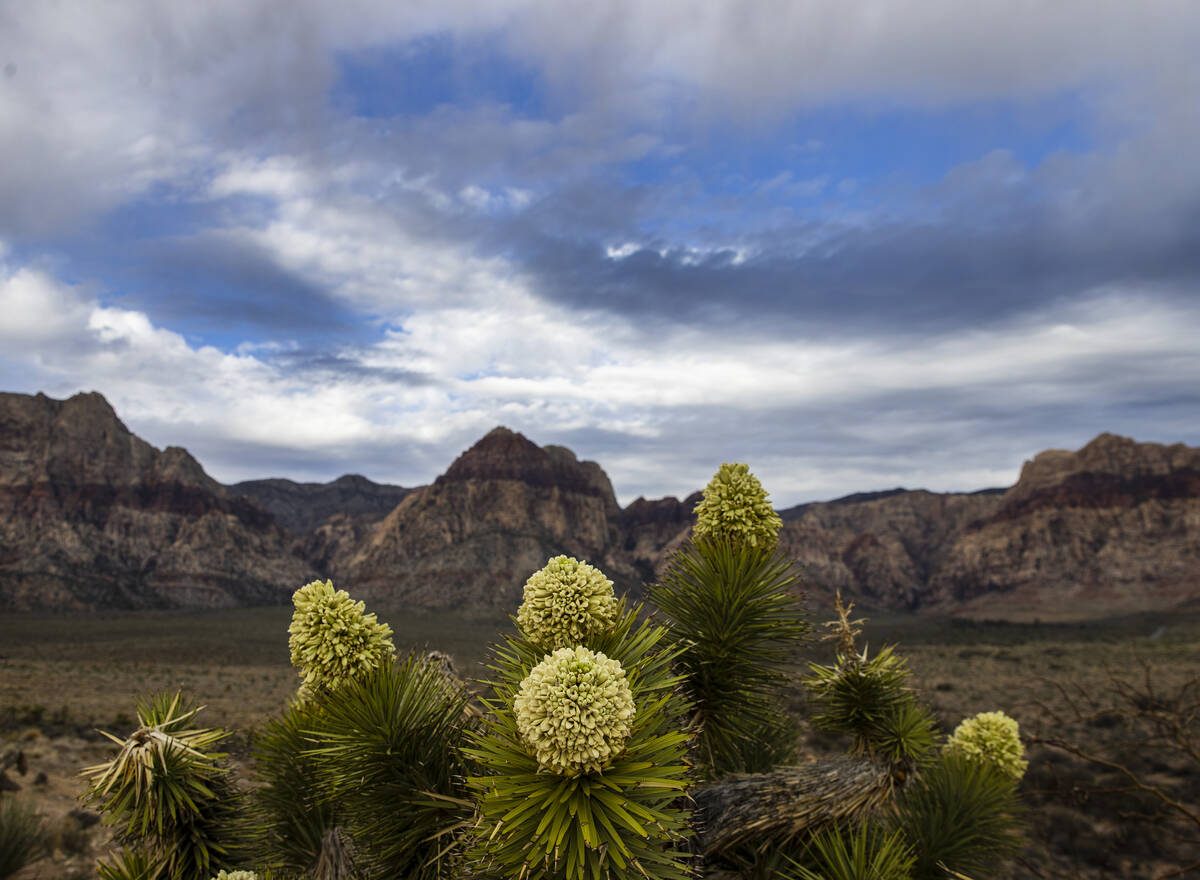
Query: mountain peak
{"type": "Point", "coordinates": [504, 454]}
{"type": "Point", "coordinates": [501, 454]}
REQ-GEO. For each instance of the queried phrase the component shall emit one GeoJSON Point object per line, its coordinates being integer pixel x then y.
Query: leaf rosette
{"type": "Point", "coordinates": [624, 817]}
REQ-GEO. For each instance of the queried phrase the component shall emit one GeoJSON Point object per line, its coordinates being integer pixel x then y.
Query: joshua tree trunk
{"type": "Point", "coordinates": [789, 801]}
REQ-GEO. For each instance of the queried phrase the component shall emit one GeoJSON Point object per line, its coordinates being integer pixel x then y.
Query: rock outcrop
{"type": "Point", "coordinates": [91, 516]}
{"type": "Point", "coordinates": [496, 515]}
{"type": "Point", "coordinates": [1112, 528]}
{"type": "Point", "coordinates": [880, 549]}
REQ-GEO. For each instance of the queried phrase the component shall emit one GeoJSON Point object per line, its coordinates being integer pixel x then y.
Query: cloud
{"type": "Point", "coordinates": [156, 91]}
{"type": "Point", "coordinates": [221, 282]}
{"type": "Point", "coordinates": [658, 410]}
{"type": "Point", "coordinates": [586, 266]}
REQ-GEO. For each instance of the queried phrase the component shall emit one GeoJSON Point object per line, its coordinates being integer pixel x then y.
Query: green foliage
{"type": "Point", "coordinates": [332, 639]}
{"type": "Point", "coordinates": [869, 699]}
{"type": "Point", "coordinates": [564, 602]}
{"type": "Point", "coordinates": [858, 694]}
{"type": "Point", "coordinates": [730, 608]}
{"type": "Point", "coordinates": [623, 819]}
{"type": "Point", "coordinates": [960, 814]}
{"type": "Point", "coordinates": [22, 838]}
{"type": "Point", "coordinates": [290, 820]}
{"type": "Point", "coordinates": [131, 864]}
{"type": "Point", "coordinates": [992, 737]}
{"type": "Point", "coordinates": [598, 721]}
{"type": "Point", "coordinates": [868, 852]}
{"type": "Point", "coordinates": [166, 792]}
{"type": "Point", "coordinates": [389, 757]}
{"type": "Point", "coordinates": [904, 737]}
{"type": "Point", "coordinates": [735, 509]}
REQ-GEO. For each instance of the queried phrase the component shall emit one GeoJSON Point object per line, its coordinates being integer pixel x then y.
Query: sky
{"type": "Point", "coordinates": [857, 245]}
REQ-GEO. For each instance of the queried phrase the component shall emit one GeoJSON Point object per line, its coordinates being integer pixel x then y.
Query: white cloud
{"type": "Point", "coordinates": [226, 99]}
{"type": "Point", "coordinates": [509, 357]}
{"type": "Point", "coordinates": [107, 101]}
{"type": "Point", "coordinates": [37, 311]}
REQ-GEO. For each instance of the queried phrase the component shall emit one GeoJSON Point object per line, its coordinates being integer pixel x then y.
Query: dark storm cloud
{"type": "Point", "coordinates": [216, 283]}
{"type": "Point", "coordinates": [970, 253]}
{"type": "Point", "coordinates": [316, 364]}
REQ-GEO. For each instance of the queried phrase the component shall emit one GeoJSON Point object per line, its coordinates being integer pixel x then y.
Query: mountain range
{"type": "Point", "coordinates": [93, 517]}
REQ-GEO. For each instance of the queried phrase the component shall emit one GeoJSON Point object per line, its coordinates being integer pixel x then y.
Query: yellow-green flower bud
{"type": "Point", "coordinates": [991, 737]}
{"type": "Point", "coordinates": [735, 508]}
{"type": "Point", "coordinates": [566, 602]}
{"type": "Point", "coordinates": [332, 638]}
{"type": "Point", "coordinates": [236, 875]}
{"type": "Point", "coordinates": [575, 711]}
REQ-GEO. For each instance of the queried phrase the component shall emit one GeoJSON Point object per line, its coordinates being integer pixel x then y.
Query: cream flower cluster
{"type": "Point", "coordinates": [236, 875]}
{"type": "Point", "coordinates": [566, 602]}
{"type": "Point", "coordinates": [990, 737]}
{"type": "Point", "coordinates": [575, 711]}
{"type": "Point", "coordinates": [332, 638]}
{"type": "Point", "coordinates": [735, 507]}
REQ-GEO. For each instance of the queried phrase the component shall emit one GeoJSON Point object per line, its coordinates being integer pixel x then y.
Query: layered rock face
{"type": "Point", "coordinates": [881, 548]}
{"type": "Point", "coordinates": [92, 516]}
{"type": "Point", "coordinates": [1112, 528]}
{"type": "Point", "coordinates": [499, 512]}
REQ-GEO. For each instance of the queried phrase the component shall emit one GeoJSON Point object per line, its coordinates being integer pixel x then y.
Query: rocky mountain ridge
{"type": "Point", "coordinates": [301, 507]}
{"type": "Point", "coordinates": [95, 517]}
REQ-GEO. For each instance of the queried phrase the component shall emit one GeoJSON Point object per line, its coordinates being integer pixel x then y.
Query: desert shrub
{"type": "Point", "coordinates": [869, 699]}
{"type": "Point", "coordinates": [291, 820]}
{"type": "Point", "coordinates": [22, 837]}
{"type": "Point", "coordinates": [72, 834]}
{"type": "Point", "coordinates": [868, 852]}
{"type": "Point", "coordinates": [388, 758]}
{"type": "Point", "coordinates": [960, 813]}
{"type": "Point", "coordinates": [130, 863]}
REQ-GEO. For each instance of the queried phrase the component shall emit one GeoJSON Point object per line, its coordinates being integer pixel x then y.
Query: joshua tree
{"type": "Point", "coordinates": [612, 740]}
{"type": "Point", "coordinates": [728, 601]}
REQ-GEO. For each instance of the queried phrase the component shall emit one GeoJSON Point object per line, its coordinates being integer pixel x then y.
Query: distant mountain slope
{"type": "Point", "coordinates": [1114, 527]}
{"type": "Point", "coordinates": [93, 516]}
{"type": "Point", "coordinates": [301, 507]}
{"type": "Point", "coordinates": [881, 551]}
{"type": "Point", "coordinates": [496, 515]}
